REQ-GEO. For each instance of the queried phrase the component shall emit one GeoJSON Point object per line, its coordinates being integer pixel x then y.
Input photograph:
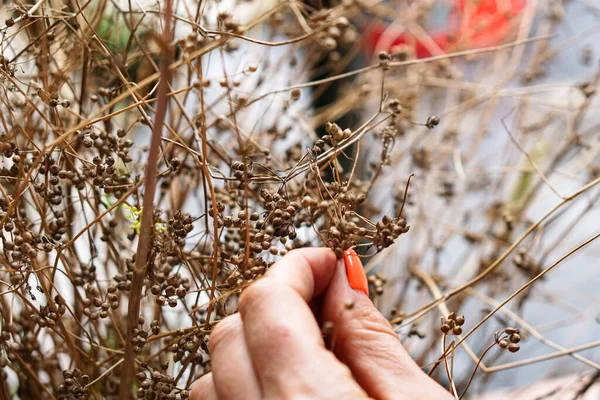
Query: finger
{"type": "Point", "coordinates": [204, 389]}
{"type": "Point", "coordinates": [307, 271]}
{"type": "Point", "coordinates": [282, 335]}
{"type": "Point", "coordinates": [365, 341]}
{"type": "Point", "coordinates": [232, 370]}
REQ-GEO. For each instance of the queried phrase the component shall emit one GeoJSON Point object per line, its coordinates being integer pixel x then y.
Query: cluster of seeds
{"type": "Point", "coordinates": [159, 386]}
{"type": "Point", "coordinates": [97, 307]}
{"type": "Point", "coordinates": [87, 275]}
{"type": "Point", "coordinates": [336, 33]}
{"type": "Point", "coordinates": [140, 336]}
{"type": "Point", "coordinates": [102, 171]}
{"type": "Point", "coordinates": [241, 172]}
{"type": "Point", "coordinates": [313, 208]}
{"type": "Point", "coordinates": [280, 219]}
{"type": "Point", "coordinates": [452, 325]}
{"type": "Point", "coordinates": [377, 281]}
{"type": "Point", "coordinates": [169, 288]}
{"type": "Point", "coordinates": [10, 150]}
{"type": "Point", "coordinates": [24, 246]}
{"type": "Point", "coordinates": [509, 339]}
{"type": "Point", "coordinates": [179, 227]}
{"type": "Point", "coordinates": [388, 230]}
{"type": "Point", "coordinates": [335, 133]}
{"type": "Point", "coordinates": [190, 347]}
{"type": "Point", "coordinates": [124, 280]}
{"type": "Point", "coordinates": [74, 385]}
{"type": "Point", "coordinates": [48, 316]}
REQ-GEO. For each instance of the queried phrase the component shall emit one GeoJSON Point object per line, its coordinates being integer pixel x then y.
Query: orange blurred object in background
{"type": "Point", "coordinates": [470, 24]}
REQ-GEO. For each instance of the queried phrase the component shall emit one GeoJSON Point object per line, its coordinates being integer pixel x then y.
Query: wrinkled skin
{"type": "Point", "coordinates": [273, 348]}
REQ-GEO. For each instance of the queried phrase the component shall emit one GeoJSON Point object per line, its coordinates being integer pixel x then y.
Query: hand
{"type": "Point", "coordinates": [273, 348]}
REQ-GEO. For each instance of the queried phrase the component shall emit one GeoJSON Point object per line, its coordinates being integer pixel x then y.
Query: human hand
{"type": "Point", "coordinates": [273, 348]}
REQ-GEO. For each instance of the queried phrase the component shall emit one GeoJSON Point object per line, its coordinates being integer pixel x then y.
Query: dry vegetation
{"type": "Point", "coordinates": [134, 210]}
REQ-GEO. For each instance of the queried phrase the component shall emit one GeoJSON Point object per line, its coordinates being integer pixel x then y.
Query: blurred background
{"type": "Point", "coordinates": [471, 169]}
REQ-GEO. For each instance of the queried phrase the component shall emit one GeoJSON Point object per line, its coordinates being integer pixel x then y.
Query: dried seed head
{"type": "Point", "coordinates": [432, 122]}
{"type": "Point", "coordinates": [383, 56]}
{"type": "Point", "coordinates": [513, 347]}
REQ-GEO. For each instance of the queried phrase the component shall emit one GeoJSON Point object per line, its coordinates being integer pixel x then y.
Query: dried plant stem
{"type": "Point", "coordinates": [475, 369]}
{"type": "Point", "coordinates": [34, 376]}
{"type": "Point", "coordinates": [527, 328]}
{"type": "Point", "coordinates": [529, 361]}
{"type": "Point", "coordinates": [207, 177]}
{"type": "Point", "coordinates": [422, 311]}
{"type": "Point", "coordinates": [503, 303]}
{"type": "Point", "coordinates": [531, 160]}
{"type": "Point", "coordinates": [147, 223]}
{"type": "Point", "coordinates": [106, 372]}
{"type": "Point", "coordinates": [29, 13]}
{"type": "Point", "coordinates": [524, 287]}
{"type": "Point", "coordinates": [397, 64]}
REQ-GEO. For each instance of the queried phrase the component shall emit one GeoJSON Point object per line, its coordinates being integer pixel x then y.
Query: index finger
{"type": "Point", "coordinates": [283, 337]}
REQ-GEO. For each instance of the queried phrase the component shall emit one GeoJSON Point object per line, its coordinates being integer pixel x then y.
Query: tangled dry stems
{"type": "Point", "coordinates": [138, 201]}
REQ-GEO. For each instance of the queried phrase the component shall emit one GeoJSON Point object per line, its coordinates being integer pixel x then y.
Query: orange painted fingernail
{"type": "Point", "coordinates": [357, 278]}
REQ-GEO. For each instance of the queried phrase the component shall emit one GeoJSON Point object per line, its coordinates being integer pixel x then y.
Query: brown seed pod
{"type": "Point", "coordinates": [513, 347]}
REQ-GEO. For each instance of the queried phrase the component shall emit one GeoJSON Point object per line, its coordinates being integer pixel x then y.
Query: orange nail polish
{"type": "Point", "coordinates": [357, 278]}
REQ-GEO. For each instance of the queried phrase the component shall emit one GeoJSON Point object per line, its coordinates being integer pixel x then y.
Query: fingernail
{"type": "Point", "coordinates": [357, 278]}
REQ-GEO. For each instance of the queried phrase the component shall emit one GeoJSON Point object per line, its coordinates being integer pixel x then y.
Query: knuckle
{"type": "Point", "coordinates": [280, 334]}
{"type": "Point", "coordinates": [371, 321]}
{"type": "Point", "coordinates": [366, 327]}
{"type": "Point", "coordinates": [369, 331]}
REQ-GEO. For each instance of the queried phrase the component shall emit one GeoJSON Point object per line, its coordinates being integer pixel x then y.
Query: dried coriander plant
{"type": "Point", "coordinates": [158, 158]}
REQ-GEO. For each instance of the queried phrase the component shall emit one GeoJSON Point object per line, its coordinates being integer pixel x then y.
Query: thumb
{"type": "Point", "coordinates": [364, 340]}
